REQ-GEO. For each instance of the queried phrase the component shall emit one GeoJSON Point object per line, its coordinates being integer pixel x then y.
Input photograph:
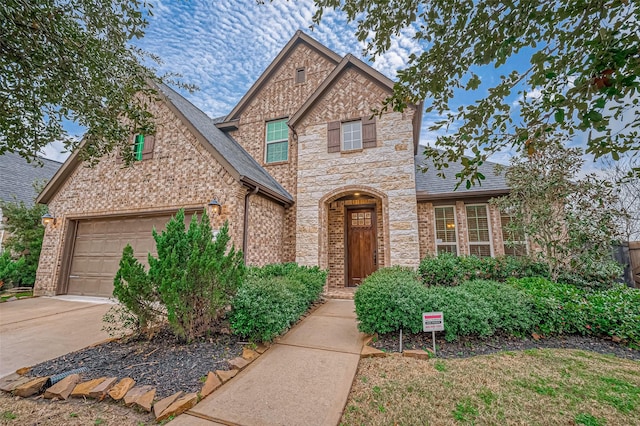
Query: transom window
{"type": "Point", "coordinates": [446, 241]}
{"type": "Point", "coordinates": [478, 229]}
{"type": "Point", "coordinates": [277, 141]}
{"type": "Point", "coordinates": [515, 241]}
{"type": "Point", "coordinates": [352, 135]}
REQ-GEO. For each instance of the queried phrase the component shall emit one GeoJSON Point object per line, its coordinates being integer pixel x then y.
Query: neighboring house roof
{"type": "Point", "coordinates": [17, 177]}
{"type": "Point", "coordinates": [298, 37]}
{"type": "Point", "coordinates": [430, 186]}
{"type": "Point", "coordinates": [226, 150]}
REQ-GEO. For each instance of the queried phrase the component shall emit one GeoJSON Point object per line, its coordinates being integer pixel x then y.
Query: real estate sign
{"type": "Point", "coordinates": [432, 321]}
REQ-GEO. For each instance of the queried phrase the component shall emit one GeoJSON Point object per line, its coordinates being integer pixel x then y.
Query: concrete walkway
{"type": "Point", "coordinates": [304, 379]}
{"type": "Point", "coordinates": [41, 328]}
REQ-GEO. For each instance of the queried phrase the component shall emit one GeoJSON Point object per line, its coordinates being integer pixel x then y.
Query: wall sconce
{"type": "Point", "coordinates": [47, 219]}
{"type": "Point", "coordinates": [216, 207]}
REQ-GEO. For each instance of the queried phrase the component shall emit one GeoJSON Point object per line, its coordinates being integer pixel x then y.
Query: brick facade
{"type": "Point", "coordinates": [181, 174]}
{"type": "Point", "coordinates": [265, 232]}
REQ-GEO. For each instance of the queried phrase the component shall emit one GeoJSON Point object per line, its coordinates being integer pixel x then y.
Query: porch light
{"type": "Point", "coordinates": [216, 207]}
{"type": "Point", "coordinates": [451, 225]}
{"type": "Point", "coordinates": [47, 219]}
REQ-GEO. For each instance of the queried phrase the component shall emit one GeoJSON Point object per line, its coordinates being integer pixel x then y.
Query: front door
{"type": "Point", "coordinates": [362, 253]}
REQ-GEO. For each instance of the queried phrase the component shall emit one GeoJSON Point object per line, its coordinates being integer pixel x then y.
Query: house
{"type": "Point", "coordinates": [17, 179]}
{"type": "Point", "coordinates": [302, 170]}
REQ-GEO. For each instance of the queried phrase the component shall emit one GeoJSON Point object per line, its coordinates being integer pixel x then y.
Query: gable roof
{"type": "Point", "coordinates": [17, 177]}
{"type": "Point", "coordinates": [430, 186]}
{"type": "Point", "coordinates": [242, 166]}
{"type": "Point", "coordinates": [298, 37]}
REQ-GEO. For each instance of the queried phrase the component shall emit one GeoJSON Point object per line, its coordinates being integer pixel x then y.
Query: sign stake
{"type": "Point", "coordinates": [433, 337]}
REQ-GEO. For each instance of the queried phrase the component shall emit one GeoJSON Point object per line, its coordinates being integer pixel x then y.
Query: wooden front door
{"type": "Point", "coordinates": [362, 251]}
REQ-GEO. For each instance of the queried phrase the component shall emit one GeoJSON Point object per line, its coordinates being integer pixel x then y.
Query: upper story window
{"type": "Point", "coordinates": [479, 231]}
{"type": "Point", "coordinates": [301, 75]}
{"type": "Point", "coordinates": [352, 135]}
{"type": "Point", "coordinates": [143, 147]}
{"type": "Point", "coordinates": [446, 239]}
{"type": "Point", "coordinates": [515, 241]}
{"type": "Point", "coordinates": [277, 141]}
{"type": "Point", "coordinates": [138, 146]}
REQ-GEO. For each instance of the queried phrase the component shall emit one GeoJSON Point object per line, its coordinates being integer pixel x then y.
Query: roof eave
{"type": "Point", "coordinates": [60, 177]}
{"type": "Point", "coordinates": [286, 201]}
{"type": "Point", "coordinates": [226, 126]}
{"type": "Point", "coordinates": [427, 196]}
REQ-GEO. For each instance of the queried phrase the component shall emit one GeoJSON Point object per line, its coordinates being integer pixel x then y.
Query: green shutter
{"type": "Point", "coordinates": [138, 146]}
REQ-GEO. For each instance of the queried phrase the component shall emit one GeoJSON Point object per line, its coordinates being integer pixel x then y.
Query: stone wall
{"type": "Point", "coordinates": [427, 227]}
{"type": "Point", "coordinates": [181, 174]}
{"type": "Point", "coordinates": [386, 171]}
{"type": "Point", "coordinates": [281, 97]}
{"type": "Point", "coordinates": [265, 232]}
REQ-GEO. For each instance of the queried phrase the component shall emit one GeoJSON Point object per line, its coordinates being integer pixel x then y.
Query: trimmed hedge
{"type": "Point", "coordinates": [272, 298]}
{"type": "Point", "coordinates": [450, 270]}
{"type": "Point", "coordinates": [394, 298]}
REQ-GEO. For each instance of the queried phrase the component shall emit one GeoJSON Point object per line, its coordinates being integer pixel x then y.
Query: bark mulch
{"type": "Point", "coordinates": [471, 346]}
{"type": "Point", "coordinates": [162, 362]}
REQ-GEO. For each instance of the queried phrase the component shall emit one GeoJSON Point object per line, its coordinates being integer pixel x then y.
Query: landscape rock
{"type": "Point", "coordinates": [212, 383]}
{"type": "Point", "coordinates": [416, 353]}
{"type": "Point", "coordinates": [369, 339]}
{"type": "Point", "coordinates": [225, 376]}
{"type": "Point", "coordinates": [120, 390]}
{"type": "Point", "coordinates": [63, 388]}
{"type": "Point", "coordinates": [261, 348]}
{"type": "Point", "coordinates": [30, 388]}
{"type": "Point", "coordinates": [249, 354]}
{"type": "Point", "coordinates": [146, 400]}
{"type": "Point", "coordinates": [135, 393]}
{"type": "Point", "coordinates": [22, 371]}
{"type": "Point", "coordinates": [180, 406]}
{"type": "Point", "coordinates": [160, 406]}
{"type": "Point", "coordinates": [535, 336]}
{"type": "Point", "coordinates": [100, 391]}
{"type": "Point", "coordinates": [83, 389]}
{"type": "Point", "coordinates": [238, 363]}
{"type": "Point", "coordinates": [616, 339]}
{"type": "Point", "coordinates": [369, 352]}
{"type": "Point", "coordinates": [12, 381]}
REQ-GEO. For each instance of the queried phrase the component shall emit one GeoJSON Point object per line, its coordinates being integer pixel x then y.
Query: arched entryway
{"type": "Point", "coordinates": [353, 234]}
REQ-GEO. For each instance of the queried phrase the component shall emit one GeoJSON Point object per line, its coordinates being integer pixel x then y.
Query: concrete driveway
{"type": "Point", "coordinates": [42, 328]}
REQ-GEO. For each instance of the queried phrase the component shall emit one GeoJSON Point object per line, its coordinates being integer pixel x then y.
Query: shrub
{"type": "Point", "coordinates": [273, 297]}
{"type": "Point", "coordinates": [192, 279]}
{"type": "Point", "coordinates": [449, 270]}
{"type": "Point", "coordinates": [615, 312]}
{"type": "Point", "coordinates": [390, 299]}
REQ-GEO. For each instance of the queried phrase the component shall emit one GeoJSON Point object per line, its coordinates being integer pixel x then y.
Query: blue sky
{"type": "Point", "coordinates": [223, 46]}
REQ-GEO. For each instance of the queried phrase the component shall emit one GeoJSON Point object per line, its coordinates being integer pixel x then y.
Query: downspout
{"type": "Point", "coordinates": [246, 222]}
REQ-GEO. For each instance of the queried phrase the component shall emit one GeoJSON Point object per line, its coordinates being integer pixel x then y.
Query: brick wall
{"type": "Point", "coordinates": [265, 231]}
{"type": "Point", "coordinates": [281, 97]}
{"type": "Point", "coordinates": [182, 174]}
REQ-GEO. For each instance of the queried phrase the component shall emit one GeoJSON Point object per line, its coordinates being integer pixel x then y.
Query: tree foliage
{"type": "Point", "coordinates": [583, 73]}
{"type": "Point", "coordinates": [23, 223]}
{"type": "Point", "coordinates": [71, 60]}
{"type": "Point", "coordinates": [570, 219]}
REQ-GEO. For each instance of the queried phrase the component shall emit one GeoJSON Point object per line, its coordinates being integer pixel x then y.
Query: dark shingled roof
{"type": "Point", "coordinates": [17, 177]}
{"type": "Point", "coordinates": [431, 185]}
{"type": "Point", "coordinates": [224, 144]}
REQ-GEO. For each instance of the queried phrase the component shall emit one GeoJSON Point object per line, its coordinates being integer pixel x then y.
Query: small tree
{"type": "Point", "coordinates": [570, 219]}
{"type": "Point", "coordinates": [191, 281]}
{"type": "Point", "coordinates": [24, 225]}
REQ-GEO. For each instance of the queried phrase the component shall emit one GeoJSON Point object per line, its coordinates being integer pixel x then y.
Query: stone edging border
{"type": "Point", "coordinates": [371, 352]}
{"type": "Point", "coordinates": [125, 390]}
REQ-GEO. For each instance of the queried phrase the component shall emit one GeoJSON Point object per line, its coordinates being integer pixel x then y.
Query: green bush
{"type": "Point", "coordinates": [390, 299]}
{"type": "Point", "coordinates": [449, 270]}
{"type": "Point", "coordinates": [273, 297]}
{"type": "Point", "coordinates": [615, 312]}
{"type": "Point", "coordinates": [191, 281]}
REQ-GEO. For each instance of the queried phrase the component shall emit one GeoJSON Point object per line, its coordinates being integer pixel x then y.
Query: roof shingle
{"type": "Point", "coordinates": [17, 177]}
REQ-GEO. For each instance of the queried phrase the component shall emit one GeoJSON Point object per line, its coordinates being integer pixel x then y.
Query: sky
{"type": "Point", "coordinates": [223, 46]}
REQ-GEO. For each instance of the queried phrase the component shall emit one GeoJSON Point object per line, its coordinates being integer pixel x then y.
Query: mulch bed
{"type": "Point", "coordinates": [471, 346]}
{"type": "Point", "coordinates": [162, 362]}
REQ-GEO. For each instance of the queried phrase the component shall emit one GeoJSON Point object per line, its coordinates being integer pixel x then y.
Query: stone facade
{"type": "Point", "coordinates": [181, 174]}
{"type": "Point", "coordinates": [385, 172]}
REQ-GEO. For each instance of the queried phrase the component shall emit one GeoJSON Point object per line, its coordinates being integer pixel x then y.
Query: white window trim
{"type": "Point", "coordinates": [267, 143]}
{"type": "Point", "coordinates": [525, 242]}
{"type": "Point", "coordinates": [486, 206]}
{"type": "Point", "coordinates": [342, 124]}
{"type": "Point", "coordinates": [435, 229]}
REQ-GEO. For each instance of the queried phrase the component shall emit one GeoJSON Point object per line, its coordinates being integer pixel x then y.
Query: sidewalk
{"type": "Point", "coordinates": [304, 379]}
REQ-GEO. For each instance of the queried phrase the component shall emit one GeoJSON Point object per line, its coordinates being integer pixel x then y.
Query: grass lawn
{"type": "Point", "coordinates": [4, 297]}
{"type": "Point", "coordinates": [533, 387]}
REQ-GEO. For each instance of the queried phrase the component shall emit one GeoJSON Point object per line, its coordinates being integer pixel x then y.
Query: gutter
{"type": "Point", "coordinates": [426, 196]}
{"type": "Point", "coordinates": [245, 226]}
{"type": "Point", "coordinates": [266, 191]}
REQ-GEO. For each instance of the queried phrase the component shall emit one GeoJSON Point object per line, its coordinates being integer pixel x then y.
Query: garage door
{"type": "Point", "coordinates": [98, 249]}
